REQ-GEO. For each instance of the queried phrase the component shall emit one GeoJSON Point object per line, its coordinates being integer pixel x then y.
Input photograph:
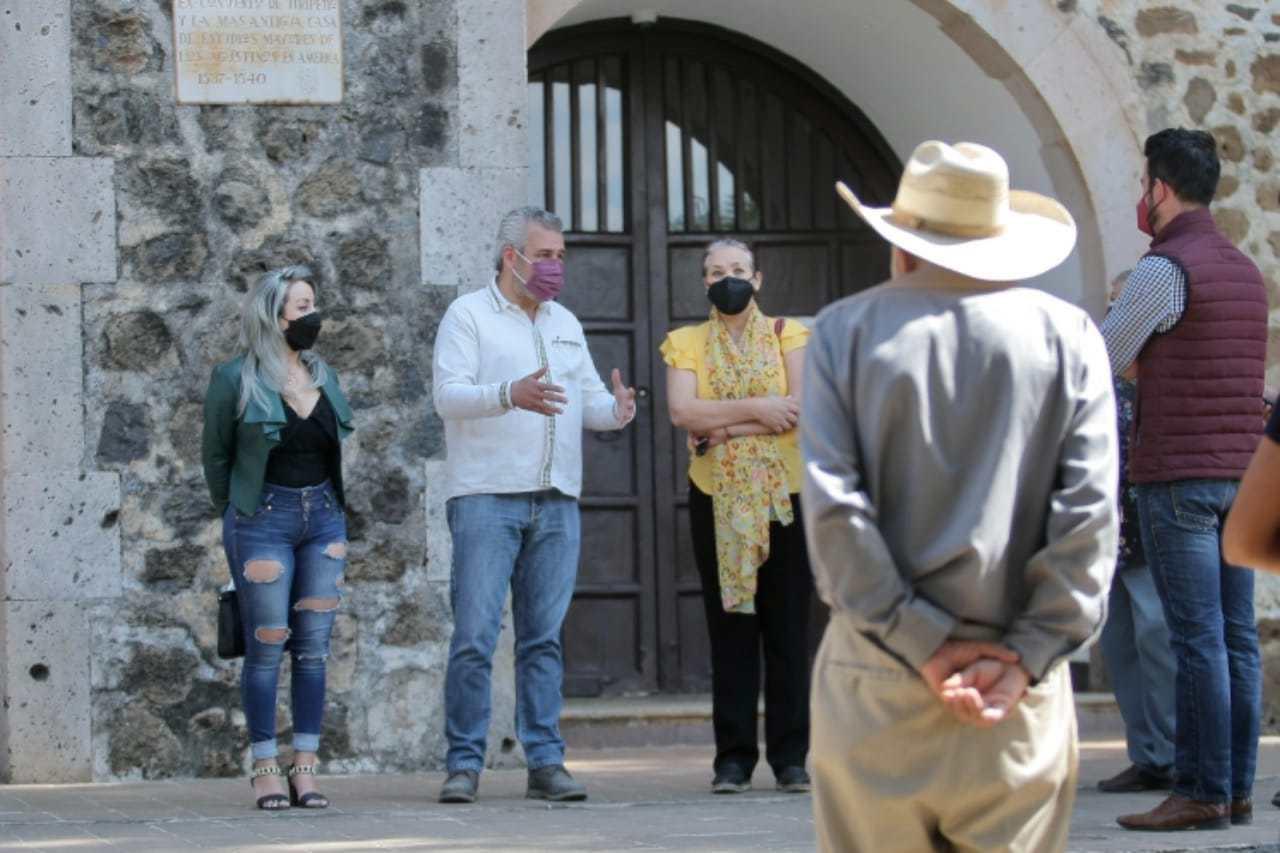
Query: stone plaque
{"type": "Point", "coordinates": [258, 51]}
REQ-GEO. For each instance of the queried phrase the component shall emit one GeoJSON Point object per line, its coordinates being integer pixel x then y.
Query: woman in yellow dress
{"type": "Point", "coordinates": [734, 384]}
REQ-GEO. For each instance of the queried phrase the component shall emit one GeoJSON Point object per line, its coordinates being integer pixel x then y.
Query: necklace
{"type": "Point", "coordinates": [296, 381]}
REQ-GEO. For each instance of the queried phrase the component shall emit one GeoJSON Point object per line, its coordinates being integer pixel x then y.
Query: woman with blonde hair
{"type": "Point", "coordinates": [734, 383]}
{"type": "Point", "coordinates": [274, 420]}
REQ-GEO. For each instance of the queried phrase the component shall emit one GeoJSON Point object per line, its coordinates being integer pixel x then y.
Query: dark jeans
{"type": "Point", "coordinates": [780, 624]}
{"type": "Point", "coordinates": [1209, 607]}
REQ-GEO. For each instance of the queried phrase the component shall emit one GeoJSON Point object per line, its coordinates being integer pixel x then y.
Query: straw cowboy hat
{"type": "Point", "coordinates": [954, 208]}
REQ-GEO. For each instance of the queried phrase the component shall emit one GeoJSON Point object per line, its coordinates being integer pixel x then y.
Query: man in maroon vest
{"type": "Point", "coordinates": [1193, 316]}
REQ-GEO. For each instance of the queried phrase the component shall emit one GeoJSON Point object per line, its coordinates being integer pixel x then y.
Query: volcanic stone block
{"type": "Point", "coordinates": [45, 730]}
{"type": "Point", "coordinates": [491, 84]}
{"type": "Point", "coordinates": [457, 233]}
{"type": "Point", "coordinates": [60, 220]}
{"type": "Point", "coordinates": [439, 543]}
{"type": "Point", "coordinates": [61, 536]}
{"type": "Point", "coordinates": [35, 100]}
{"type": "Point", "coordinates": [41, 386]}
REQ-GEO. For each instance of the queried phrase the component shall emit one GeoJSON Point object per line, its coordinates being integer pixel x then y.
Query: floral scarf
{"type": "Point", "coordinates": [749, 475]}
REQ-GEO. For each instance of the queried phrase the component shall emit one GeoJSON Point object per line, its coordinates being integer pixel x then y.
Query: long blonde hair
{"type": "Point", "coordinates": [266, 369]}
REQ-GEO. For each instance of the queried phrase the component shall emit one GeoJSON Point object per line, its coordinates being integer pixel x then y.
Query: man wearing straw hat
{"type": "Point", "coordinates": [960, 472]}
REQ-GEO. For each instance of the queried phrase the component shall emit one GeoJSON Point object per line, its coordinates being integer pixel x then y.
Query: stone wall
{"type": "Point", "coordinates": [59, 530]}
{"type": "Point", "coordinates": [207, 198]}
{"type": "Point", "coordinates": [1216, 67]}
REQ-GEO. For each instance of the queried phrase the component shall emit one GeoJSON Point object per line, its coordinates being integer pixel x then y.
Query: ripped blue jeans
{"type": "Point", "coordinates": [287, 561]}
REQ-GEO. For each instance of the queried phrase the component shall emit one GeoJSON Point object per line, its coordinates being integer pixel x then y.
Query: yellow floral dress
{"type": "Point", "coordinates": [750, 478]}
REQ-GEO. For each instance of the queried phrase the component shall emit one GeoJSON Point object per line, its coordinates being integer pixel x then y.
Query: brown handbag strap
{"type": "Point", "coordinates": [778, 325]}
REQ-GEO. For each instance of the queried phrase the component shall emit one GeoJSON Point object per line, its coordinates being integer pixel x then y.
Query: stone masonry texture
{"type": "Point", "coordinates": [209, 197]}
{"type": "Point", "coordinates": [1223, 62]}
{"type": "Point", "coordinates": [206, 198]}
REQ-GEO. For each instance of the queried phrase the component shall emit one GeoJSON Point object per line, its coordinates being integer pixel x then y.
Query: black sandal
{"type": "Point", "coordinates": [311, 799]}
{"type": "Point", "coordinates": [269, 802]}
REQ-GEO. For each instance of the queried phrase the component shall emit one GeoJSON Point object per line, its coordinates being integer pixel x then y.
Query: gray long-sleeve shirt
{"type": "Point", "coordinates": [960, 467]}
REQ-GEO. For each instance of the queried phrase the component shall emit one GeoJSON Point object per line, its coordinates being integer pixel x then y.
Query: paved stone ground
{"type": "Point", "coordinates": [641, 799]}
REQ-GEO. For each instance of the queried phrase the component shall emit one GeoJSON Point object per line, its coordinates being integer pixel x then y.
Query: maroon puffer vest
{"type": "Point", "coordinates": [1200, 384]}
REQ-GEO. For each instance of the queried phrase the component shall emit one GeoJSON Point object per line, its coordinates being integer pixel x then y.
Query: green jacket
{"type": "Point", "coordinates": [234, 450]}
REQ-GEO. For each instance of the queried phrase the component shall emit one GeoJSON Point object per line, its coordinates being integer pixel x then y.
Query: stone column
{"type": "Point", "coordinates": [460, 208]}
{"type": "Point", "coordinates": [59, 542]}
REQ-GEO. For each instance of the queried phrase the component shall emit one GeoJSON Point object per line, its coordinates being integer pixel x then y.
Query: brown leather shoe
{"type": "Point", "coordinates": [1241, 811]}
{"type": "Point", "coordinates": [1135, 778]}
{"type": "Point", "coordinates": [1179, 812]}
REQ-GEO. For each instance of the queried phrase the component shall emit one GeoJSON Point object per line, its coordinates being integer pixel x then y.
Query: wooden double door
{"type": "Point", "coordinates": [648, 142]}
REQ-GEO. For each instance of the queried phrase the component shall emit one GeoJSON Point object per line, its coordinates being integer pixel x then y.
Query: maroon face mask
{"type": "Point", "coordinates": [1144, 215]}
{"type": "Point", "coordinates": [546, 278]}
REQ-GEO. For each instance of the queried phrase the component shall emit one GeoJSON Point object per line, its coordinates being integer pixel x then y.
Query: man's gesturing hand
{"type": "Point", "coordinates": [624, 398]}
{"type": "Point", "coordinates": [534, 395]}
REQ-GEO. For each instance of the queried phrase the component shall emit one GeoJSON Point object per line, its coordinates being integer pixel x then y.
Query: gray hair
{"type": "Point", "coordinates": [727, 243]}
{"type": "Point", "coordinates": [514, 229]}
{"type": "Point", "coordinates": [266, 369]}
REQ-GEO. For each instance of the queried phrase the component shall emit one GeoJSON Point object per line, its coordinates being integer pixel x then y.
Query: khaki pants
{"type": "Point", "coordinates": [894, 771]}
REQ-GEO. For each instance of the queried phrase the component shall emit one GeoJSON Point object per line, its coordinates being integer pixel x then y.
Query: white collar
{"type": "Point", "coordinates": [501, 303]}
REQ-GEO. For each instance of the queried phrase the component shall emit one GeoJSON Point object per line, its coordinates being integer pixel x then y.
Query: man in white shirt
{"type": "Point", "coordinates": [515, 385]}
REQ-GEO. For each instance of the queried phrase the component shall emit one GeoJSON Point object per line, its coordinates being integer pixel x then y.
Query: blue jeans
{"type": "Point", "coordinates": [1209, 607]}
{"type": "Point", "coordinates": [1139, 657]}
{"type": "Point", "coordinates": [287, 560]}
{"type": "Point", "coordinates": [527, 542]}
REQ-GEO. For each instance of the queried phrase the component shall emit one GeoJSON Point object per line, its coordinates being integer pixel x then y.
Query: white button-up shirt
{"type": "Point", "coordinates": [485, 344]}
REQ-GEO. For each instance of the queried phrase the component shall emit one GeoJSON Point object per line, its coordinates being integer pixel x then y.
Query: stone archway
{"type": "Point", "coordinates": [1058, 66]}
{"type": "Point", "coordinates": [1034, 59]}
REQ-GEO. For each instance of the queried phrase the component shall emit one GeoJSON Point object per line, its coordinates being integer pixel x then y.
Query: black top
{"type": "Point", "coordinates": [307, 454]}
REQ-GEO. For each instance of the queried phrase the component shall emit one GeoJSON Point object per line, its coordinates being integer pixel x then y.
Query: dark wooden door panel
{"type": "Point", "coordinates": [609, 459]}
{"type": "Point", "coordinates": [686, 569]}
{"type": "Point", "coordinates": [679, 462]}
{"type": "Point", "coordinates": [695, 646]}
{"type": "Point", "coordinates": [687, 299]}
{"type": "Point", "coordinates": [599, 285]}
{"type": "Point", "coordinates": [603, 562]}
{"type": "Point", "coordinates": [649, 142]}
{"type": "Point", "coordinates": [604, 645]}
{"type": "Point", "coordinates": [797, 277]}
{"type": "Point", "coordinates": [863, 263]}
{"type": "Point", "coordinates": [605, 638]}
{"type": "Point", "coordinates": [583, 145]}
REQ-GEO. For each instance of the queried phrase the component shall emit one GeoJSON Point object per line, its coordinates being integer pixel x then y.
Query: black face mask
{"type": "Point", "coordinates": [302, 332]}
{"type": "Point", "coordinates": [731, 295]}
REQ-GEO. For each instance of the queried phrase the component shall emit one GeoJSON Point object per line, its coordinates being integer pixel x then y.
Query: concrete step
{"type": "Point", "coordinates": [685, 719]}
{"type": "Point", "coordinates": [1098, 717]}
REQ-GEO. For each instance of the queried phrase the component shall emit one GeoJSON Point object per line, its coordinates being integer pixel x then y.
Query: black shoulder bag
{"type": "Point", "coordinates": [230, 626]}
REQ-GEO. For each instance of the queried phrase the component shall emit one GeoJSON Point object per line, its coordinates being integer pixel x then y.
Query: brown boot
{"type": "Point", "coordinates": [1135, 778]}
{"type": "Point", "coordinates": [1241, 811]}
{"type": "Point", "coordinates": [1179, 812]}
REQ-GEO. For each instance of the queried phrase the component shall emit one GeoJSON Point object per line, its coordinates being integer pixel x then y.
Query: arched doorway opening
{"type": "Point", "coordinates": [1047, 86]}
{"type": "Point", "coordinates": [648, 141]}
